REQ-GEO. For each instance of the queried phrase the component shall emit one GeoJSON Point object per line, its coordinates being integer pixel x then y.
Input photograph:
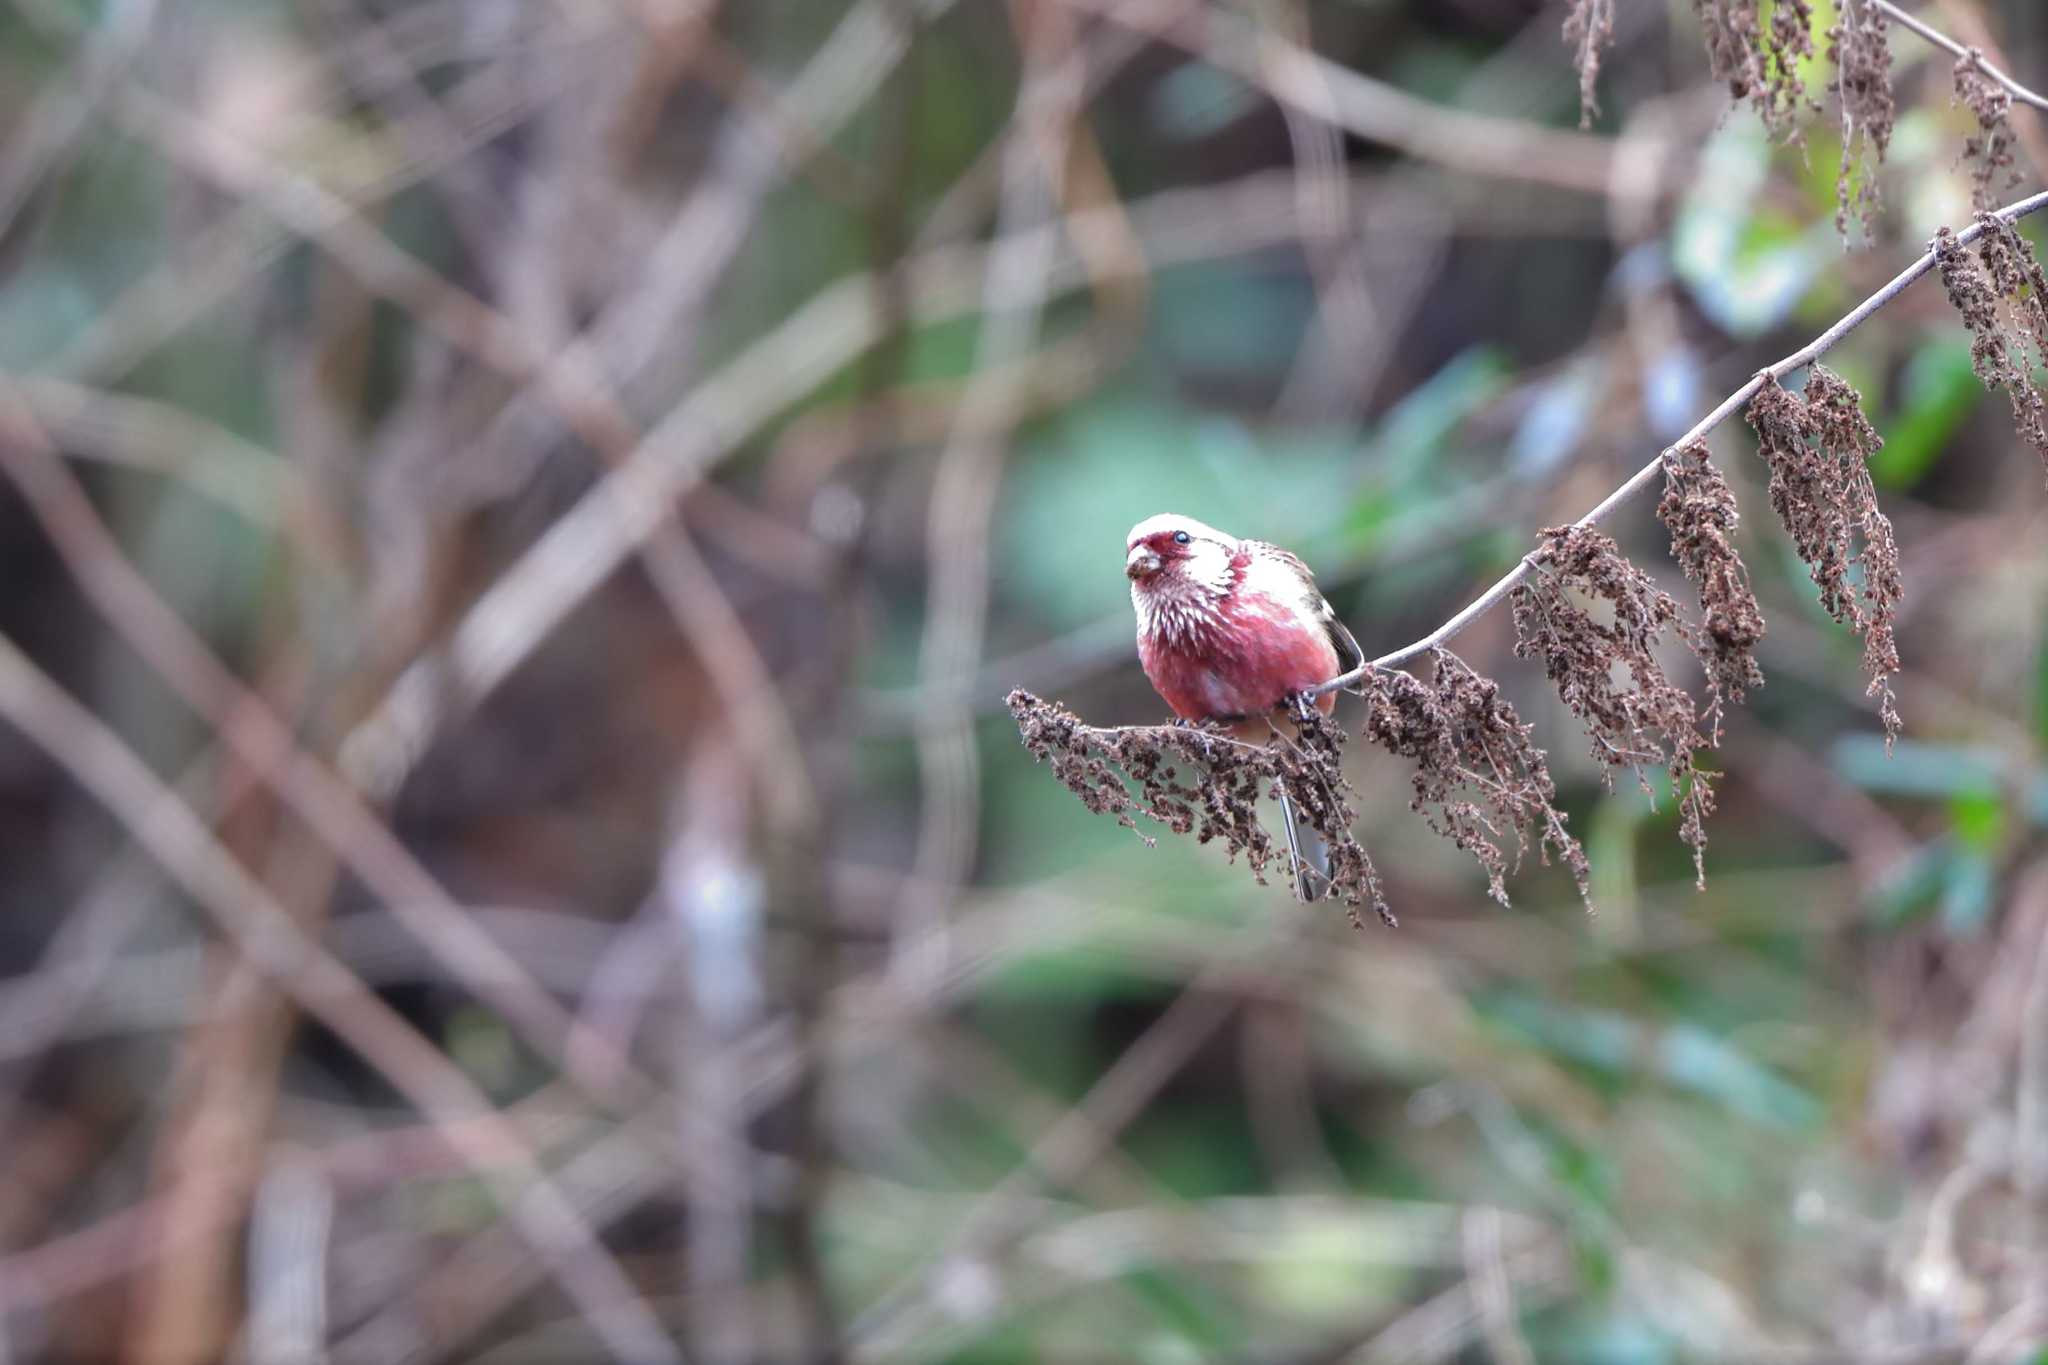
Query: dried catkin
{"type": "Point", "coordinates": [1479, 780]}
{"type": "Point", "coordinates": [1606, 671]}
{"type": "Point", "coordinates": [1818, 448]}
{"type": "Point", "coordinates": [1698, 509]}
{"type": "Point", "coordinates": [1862, 59]}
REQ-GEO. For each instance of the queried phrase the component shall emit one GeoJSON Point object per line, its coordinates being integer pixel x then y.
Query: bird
{"type": "Point", "coordinates": [1234, 633]}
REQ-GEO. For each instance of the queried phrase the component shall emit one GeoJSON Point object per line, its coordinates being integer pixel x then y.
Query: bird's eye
{"type": "Point", "coordinates": [1181, 537]}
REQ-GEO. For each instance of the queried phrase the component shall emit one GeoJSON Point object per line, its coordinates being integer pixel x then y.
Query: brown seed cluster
{"type": "Point", "coordinates": [1989, 151]}
{"type": "Point", "coordinates": [1818, 448]}
{"type": "Point", "coordinates": [1863, 83]}
{"type": "Point", "coordinates": [1606, 671]}
{"type": "Point", "coordinates": [1588, 29]}
{"type": "Point", "coordinates": [1199, 781]}
{"type": "Point", "coordinates": [1478, 779]}
{"type": "Point", "coordinates": [1311, 770]}
{"type": "Point", "coordinates": [1698, 509]}
{"type": "Point", "coordinates": [2004, 271]}
{"type": "Point", "coordinates": [1759, 60]}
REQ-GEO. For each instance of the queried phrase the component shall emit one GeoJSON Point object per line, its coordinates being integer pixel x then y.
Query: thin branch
{"type": "Point", "coordinates": [163, 438]}
{"type": "Point", "coordinates": [63, 111]}
{"type": "Point", "coordinates": [1943, 41]}
{"type": "Point", "coordinates": [257, 736]}
{"type": "Point", "coordinates": [222, 258]}
{"type": "Point", "coordinates": [582, 548]}
{"type": "Point", "coordinates": [1058, 1155]}
{"type": "Point", "coordinates": [969, 473]}
{"type": "Point", "coordinates": [573, 383]}
{"type": "Point", "coordinates": [1476, 144]}
{"type": "Point", "coordinates": [263, 930]}
{"type": "Point", "coordinates": [1651, 472]}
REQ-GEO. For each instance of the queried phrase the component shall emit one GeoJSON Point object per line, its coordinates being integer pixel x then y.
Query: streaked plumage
{"type": "Point", "coordinates": [1229, 630]}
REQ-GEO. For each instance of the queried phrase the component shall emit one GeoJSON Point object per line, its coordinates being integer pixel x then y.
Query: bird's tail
{"type": "Point", "coordinates": [1311, 871]}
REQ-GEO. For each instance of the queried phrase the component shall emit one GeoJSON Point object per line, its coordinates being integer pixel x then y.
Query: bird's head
{"type": "Point", "coordinates": [1173, 556]}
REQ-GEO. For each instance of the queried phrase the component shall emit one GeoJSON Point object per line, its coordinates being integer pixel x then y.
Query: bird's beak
{"type": "Point", "coordinates": [1143, 563]}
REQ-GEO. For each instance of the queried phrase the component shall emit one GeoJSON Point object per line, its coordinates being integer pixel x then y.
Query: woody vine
{"type": "Point", "coordinates": [1479, 780]}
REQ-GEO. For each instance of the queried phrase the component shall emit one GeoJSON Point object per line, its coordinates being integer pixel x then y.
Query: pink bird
{"type": "Point", "coordinates": [1230, 630]}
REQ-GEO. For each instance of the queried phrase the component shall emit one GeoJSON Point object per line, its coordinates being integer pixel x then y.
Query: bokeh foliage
{"type": "Point", "coordinates": [940, 1067]}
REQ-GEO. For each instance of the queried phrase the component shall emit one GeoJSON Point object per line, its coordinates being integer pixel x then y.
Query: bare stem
{"type": "Point", "coordinates": [1943, 41]}
{"type": "Point", "coordinates": [1647, 475]}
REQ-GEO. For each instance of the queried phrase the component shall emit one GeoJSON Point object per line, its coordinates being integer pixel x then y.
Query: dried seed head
{"type": "Point", "coordinates": [1759, 61]}
{"type": "Point", "coordinates": [1205, 783]}
{"type": "Point", "coordinates": [1589, 28]}
{"type": "Point", "coordinates": [1311, 770]}
{"type": "Point", "coordinates": [1863, 82]}
{"type": "Point", "coordinates": [1818, 449]}
{"type": "Point", "coordinates": [1478, 780]}
{"type": "Point", "coordinates": [1607, 673]}
{"type": "Point", "coordinates": [1989, 150]}
{"type": "Point", "coordinates": [2004, 270]}
{"type": "Point", "coordinates": [1698, 509]}
{"type": "Point", "coordinates": [2008, 259]}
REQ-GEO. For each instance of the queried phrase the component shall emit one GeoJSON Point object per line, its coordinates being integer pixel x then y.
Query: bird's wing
{"type": "Point", "coordinates": [1349, 655]}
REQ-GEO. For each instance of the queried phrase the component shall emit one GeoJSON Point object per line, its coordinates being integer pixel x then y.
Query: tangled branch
{"type": "Point", "coordinates": [1199, 781]}
{"type": "Point", "coordinates": [1480, 782]}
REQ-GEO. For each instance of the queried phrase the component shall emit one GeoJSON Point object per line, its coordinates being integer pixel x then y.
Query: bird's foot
{"type": "Point", "coordinates": [1300, 707]}
{"type": "Point", "coordinates": [1205, 730]}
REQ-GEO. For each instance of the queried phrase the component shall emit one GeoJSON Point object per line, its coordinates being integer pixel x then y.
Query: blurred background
{"type": "Point", "coordinates": [518, 522]}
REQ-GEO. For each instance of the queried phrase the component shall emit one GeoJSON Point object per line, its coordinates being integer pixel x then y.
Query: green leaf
{"type": "Point", "coordinates": [1979, 820]}
{"type": "Point", "coordinates": [1940, 390]}
{"type": "Point", "coordinates": [1414, 431]}
{"type": "Point", "coordinates": [1682, 1055]}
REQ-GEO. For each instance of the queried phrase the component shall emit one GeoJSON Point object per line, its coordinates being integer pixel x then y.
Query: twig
{"type": "Point", "coordinates": [1948, 44]}
{"type": "Point", "coordinates": [170, 296]}
{"type": "Point", "coordinates": [1064, 1149]}
{"type": "Point", "coordinates": [1327, 381]}
{"type": "Point", "coordinates": [572, 381]}
{"type": "Point", "coordinates": [1493, 1293]}
{"type": "Point", "coordinates": [1649, 473]}
{"type": "Point", "coordinates": [586, 545]}
{"type": "Point", "coordinates": [1439, 1328]}
{"type": "Point", "coordinates": [64, 109]}
{"type": "Point", "coordinates": [969, 474]}
{"type": "Point", "coordinates": [263, 930]}
{"type": "Point", "coordinates": [2030, 1099]}
{"type": "Point", "coordinates": [254, 733]}
{"type": "Point", "coordinates": [146, 433]}
{"type": "Point", "coordinates": [288, 1271]}
{"type": "Point", "coordinates": [1504, 149]}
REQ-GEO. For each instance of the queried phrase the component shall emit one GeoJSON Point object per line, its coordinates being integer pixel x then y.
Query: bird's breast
{"type": "Point", "coordinates": [1258, 652]}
